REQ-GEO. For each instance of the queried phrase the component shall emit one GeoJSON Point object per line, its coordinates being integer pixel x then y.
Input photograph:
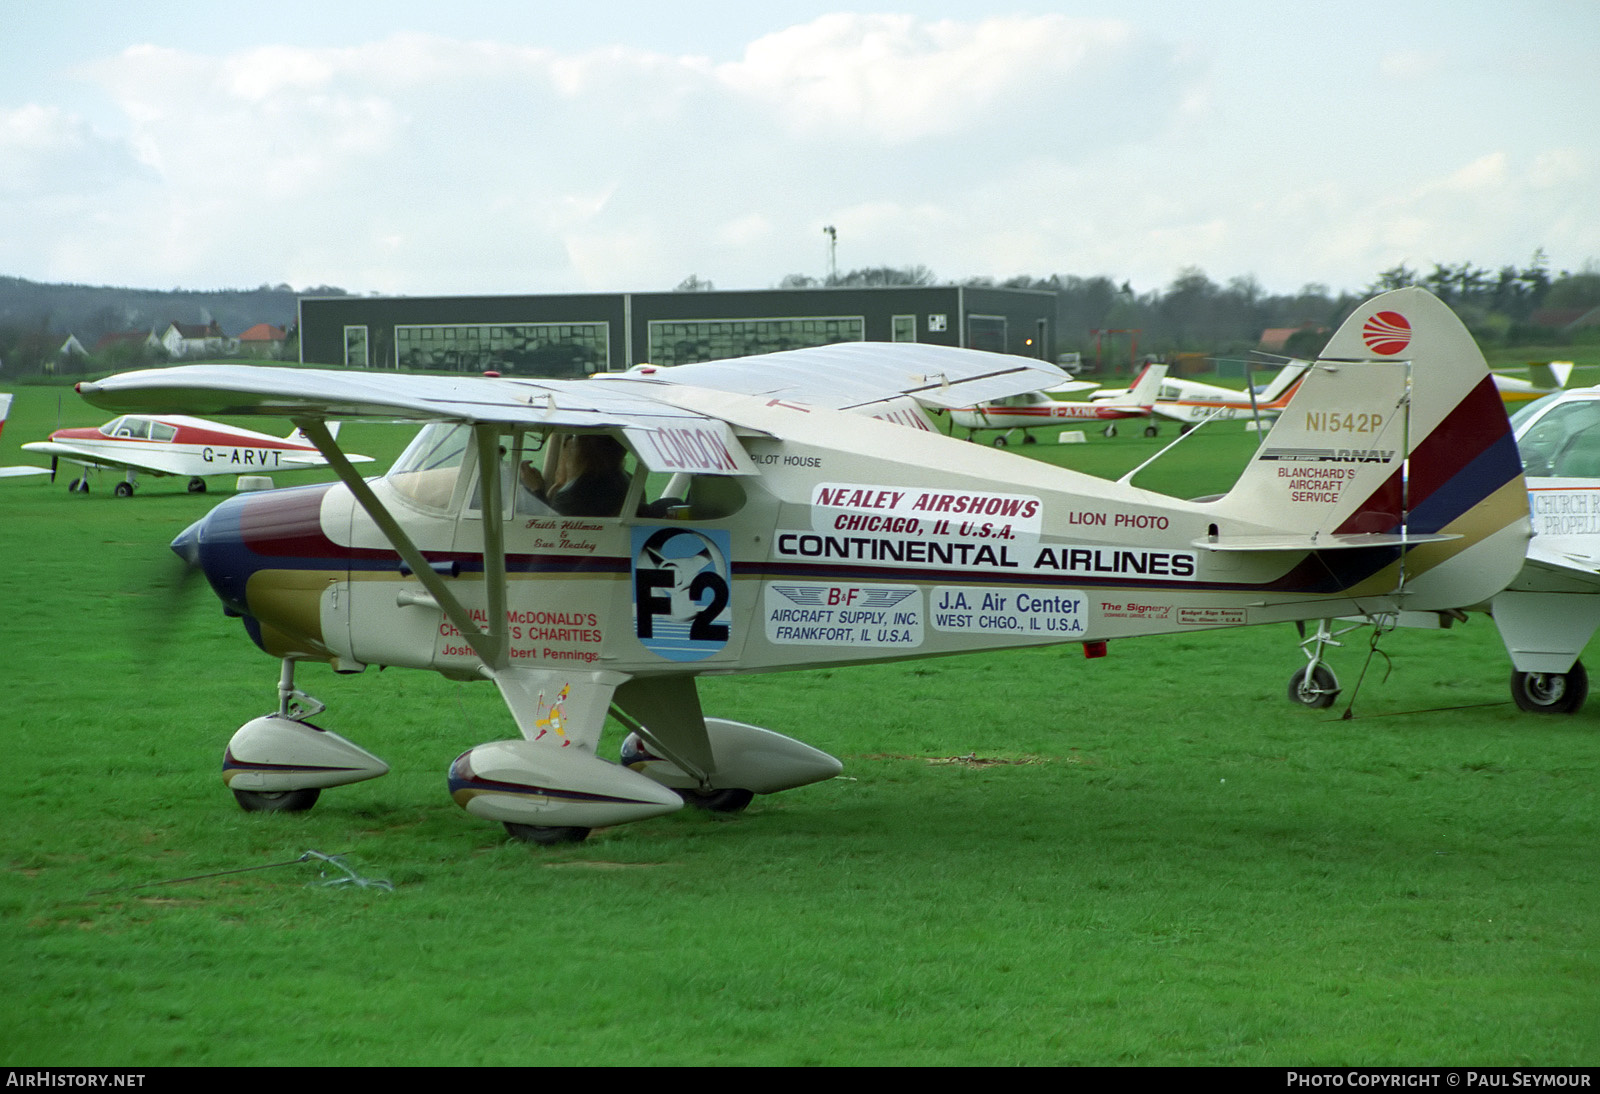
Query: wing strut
{"type": "Point", "coordinates": [494, 544]}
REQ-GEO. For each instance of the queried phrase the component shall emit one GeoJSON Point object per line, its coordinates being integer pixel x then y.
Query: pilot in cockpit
{"type": "Point", "coordinates": [588, 479]}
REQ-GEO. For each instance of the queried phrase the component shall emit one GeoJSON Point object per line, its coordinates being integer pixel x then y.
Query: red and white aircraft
{"type": "Point", "coordinates": [177, 445]}
{"type": "Point", "coordinates": [1037, 409]}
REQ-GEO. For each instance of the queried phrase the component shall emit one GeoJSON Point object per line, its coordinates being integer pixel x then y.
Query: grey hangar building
{"type": "Point", "coordinates": [572, 335]}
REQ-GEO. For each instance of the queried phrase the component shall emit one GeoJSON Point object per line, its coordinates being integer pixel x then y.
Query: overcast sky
{"type": "Point", "coordinates": [420, 148]}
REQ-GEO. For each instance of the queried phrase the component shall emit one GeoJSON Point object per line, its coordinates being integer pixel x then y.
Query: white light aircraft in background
{"type": "Point", "coordinates": [812, 518]}
{"type": "Point", "coordinates": [1551, 610]}
{"type": "Point", "coordinates": [1037, 410]}
{"type": "Point", "coordinates": [177, 445]}
{"type": "Point", "coordinates": [1191, 402]}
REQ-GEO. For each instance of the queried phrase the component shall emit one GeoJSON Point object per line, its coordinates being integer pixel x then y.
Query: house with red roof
{"type": "Point", "coordinates": [264, 341]}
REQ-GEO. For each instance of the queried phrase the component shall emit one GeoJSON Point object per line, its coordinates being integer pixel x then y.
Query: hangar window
{"type": "Point", "coordinates": [683, 341]}
{"type": "Point", "coordinates": [521, 349]}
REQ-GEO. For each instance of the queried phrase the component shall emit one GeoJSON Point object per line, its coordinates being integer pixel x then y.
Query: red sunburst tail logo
{"type": "Point", "coordinates": [1386, 333]}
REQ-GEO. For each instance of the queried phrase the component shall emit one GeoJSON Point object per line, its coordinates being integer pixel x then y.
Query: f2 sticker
{"type": "Point", "coordinates": [682, 592]}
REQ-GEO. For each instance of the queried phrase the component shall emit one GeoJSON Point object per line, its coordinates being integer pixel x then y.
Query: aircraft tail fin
{"type": "Point", "coordinates": [1397, 430]}
{"type": "Point", "coordinates": [1279, 384]}
{"type": "Point", "coordinates": [1550, 375]}
{"type": "Point", "coordinates": [297, 437]}
{"type": "Point", "coordinates": [1145, 388]}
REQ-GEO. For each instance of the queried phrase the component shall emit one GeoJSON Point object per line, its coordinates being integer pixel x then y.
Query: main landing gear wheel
{"type": "Point", "coordinates": [731, 800]}
{"type": "Point", "coordinates": [1000, 441]}
{"type": "Point", "coordinates": [1109, 431]}
{"type": "Point", "coordinates": [1151, 431]}
{"type": "Point", "coordinates": [545, 835]}
{"type": "Point", "coordinates": [1551, 692]}
{"type": "Point", "coordinates": [197, 486]}
{"type": "Point", "coordinates": [78, 486]}
{"type": "Point", "coordinates": [1317, 692]}
{"type": "Point", "coordinates": [277, 801]}
{"type": "Point", "coordinates": [123, 490]}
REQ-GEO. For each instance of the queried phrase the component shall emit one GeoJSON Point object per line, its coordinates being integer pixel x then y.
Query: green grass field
{"type": "Point", "coordinates": [1151, 858]}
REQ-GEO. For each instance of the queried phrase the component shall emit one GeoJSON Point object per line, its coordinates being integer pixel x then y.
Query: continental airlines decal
{"type": "Point", "coordinates": [932, 529]}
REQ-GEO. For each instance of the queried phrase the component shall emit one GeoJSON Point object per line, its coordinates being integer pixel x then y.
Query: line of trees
{"type": "Point", "coordinates": [1510, 306]}
{"type": "Point", "coordinates": [1506, 307]}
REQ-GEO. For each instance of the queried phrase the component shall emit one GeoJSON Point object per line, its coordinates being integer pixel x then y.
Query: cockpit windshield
{"type": "Point", "coordinates": [127, 427]}
{"type": "Point", "coordinates": [1564, 442]}
{"type": "Point", "coordinates": [426, 471]}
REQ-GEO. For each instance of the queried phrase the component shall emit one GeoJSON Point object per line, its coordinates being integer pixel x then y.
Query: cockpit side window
{"type": "Point", "coordinates": [695, 497]}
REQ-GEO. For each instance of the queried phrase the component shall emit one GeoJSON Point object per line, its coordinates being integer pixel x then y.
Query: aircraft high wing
{"type": "Point", "coordinates": [176, 445]}
{"type": "Point", "coordinates": [794, 511]}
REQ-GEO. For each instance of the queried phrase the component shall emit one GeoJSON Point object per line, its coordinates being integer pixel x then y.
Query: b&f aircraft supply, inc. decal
{"type": "Point", "coordinates": [911, 527]}
{"type": "Point", "coordinates": [682, 596]}
{"type": "Point", "coordinates": [812, 613]}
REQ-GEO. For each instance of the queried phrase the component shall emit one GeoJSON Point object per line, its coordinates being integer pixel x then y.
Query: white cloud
{"type": "Point", "coordinates": [998, 146]}
{"type": "Point", "coordinates": [48, 154]}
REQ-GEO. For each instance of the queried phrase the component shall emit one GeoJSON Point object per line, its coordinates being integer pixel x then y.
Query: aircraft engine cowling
{"type": "Point", "coordinates": [523, 782]}
{"type": "Point", "coordinates": [273, 753]}
{"type": "Point", "coordinates": [748, 758]}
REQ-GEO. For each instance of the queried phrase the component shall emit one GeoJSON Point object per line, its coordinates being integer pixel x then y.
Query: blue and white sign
{"type": "Point", "coordinates": [682, 592]}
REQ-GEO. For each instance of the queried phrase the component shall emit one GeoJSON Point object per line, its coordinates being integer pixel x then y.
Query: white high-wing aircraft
{"type": "Point", "coordinates": [1551, 610]}
{"type": "Point", "coordinates": [19, 470]}
{"type": "Point", "coordinates": [811, 519]}
{"type": "Point", "coordinates": [1036, 409]}
{"type": "Point", "coordinates": [1191, 402]}
{"type": "Point", "coordinates": [177, 445]}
